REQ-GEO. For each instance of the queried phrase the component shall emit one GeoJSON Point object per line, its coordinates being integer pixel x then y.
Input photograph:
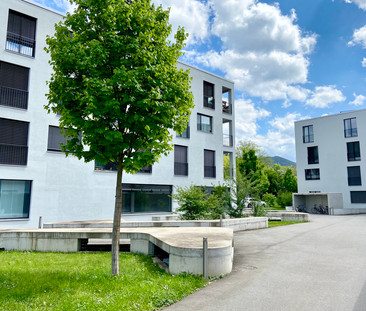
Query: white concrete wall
{"type": "Point", "coordinates": [66, 189]}
{"type": "Point", "coordinates": [333, 162]}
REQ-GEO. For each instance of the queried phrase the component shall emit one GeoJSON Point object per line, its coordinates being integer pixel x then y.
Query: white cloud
{"type": "Point", "coordinates": [363, 62]}
{"type": "Point", "coordinates": [324, 96]}
{"type": "Point", "coordinates": [359, 37]}
{"type": "Point", "coordinates": [193, 15]}
{"type": "Point", "coordinates": [246, 117]}
{"type": "Point", "coordinates": [61, 5]}
{"type": "Point", "coordinates": [360, 3]}
{"type": "Point", "coordinates": [264, 51]}
{"type": "Point", "coordinates": [286, 104]}
{"type": "Point", "coordinates": [359, 99]}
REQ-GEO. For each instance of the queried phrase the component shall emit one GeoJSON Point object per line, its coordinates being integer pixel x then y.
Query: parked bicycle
{"type": "Point", "coordinates": [320, 209]}
{"type": "Point", "coordinates": [301, 208]}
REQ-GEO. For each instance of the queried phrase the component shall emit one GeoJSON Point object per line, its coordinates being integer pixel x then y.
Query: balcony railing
{"type": "Point", "coordinates": [106, 167]}
{"type": "Point", "coordinates": [13, 154]}
{"type": "Point", "coordinates": [13, 97]}
{"type": "Point", "coordinates": [185, 133]}
{"type": "Point", "coordinates": [209, 102]}
{"type": "Point", "coordinates": [210, 171]}
{"type": "Point", "coordinates": [354, 156]}
{"type": "Point", "coordinates": [227, 140]}
{"type": "Point", "coordinates": [146, 169]}
{"type": "Point", "coordinates": [354, 181]}
{"type": "Point", "coordinates": [226, 107]}
{"type": "Point", "coordinates": [308, 138]}
{"type": "Point", "coordinates": [19, 44]}
{"type": "Point", "coordinates": [350, 132]}
{"type": "Point", "coordinates": [181, 169]}
{"type": "Point", "coordinates": [313, 160]}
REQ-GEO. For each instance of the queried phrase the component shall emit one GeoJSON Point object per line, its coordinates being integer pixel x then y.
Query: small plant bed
{"type": "Point", "coordinates": [83, 281]}
{"type": "Point", "coordinates": [278, 223]}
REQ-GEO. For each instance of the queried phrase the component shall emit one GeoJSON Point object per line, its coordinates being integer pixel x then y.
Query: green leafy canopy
{"type": "Point", "coordinates": [116, 82]}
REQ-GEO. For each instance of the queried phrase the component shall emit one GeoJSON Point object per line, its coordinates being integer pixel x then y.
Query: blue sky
{"type": "Point", "coordinates": [290, 60]}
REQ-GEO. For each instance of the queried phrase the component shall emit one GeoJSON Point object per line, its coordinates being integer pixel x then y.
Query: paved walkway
{"type": "Point", "coordinates": [313, 266]}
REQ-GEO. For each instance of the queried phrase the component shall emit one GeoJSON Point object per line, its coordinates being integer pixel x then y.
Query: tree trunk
{"type": "Point", "coordinates": [117, 221]}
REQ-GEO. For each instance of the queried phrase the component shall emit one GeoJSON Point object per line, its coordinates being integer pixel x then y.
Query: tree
{"type": "Point", "coordinates": [290, 181]}
{"type": "Point", "coordinates": [275, 178]}
{"type": "Point", "coordinates": [117, 87]}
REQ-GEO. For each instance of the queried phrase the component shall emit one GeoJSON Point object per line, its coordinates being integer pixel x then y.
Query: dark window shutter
{"type": "Point", "coordinates": [14, 23]}
{"type": "Point", "coordinates": [209, 158]}
{"type": "Point", "coordinates": [180, 154]}
{"type": "Point", "coordinates": [55, 138]}
{"type": "Point", "coordinates": [22, 25]}
{"type": "Point", "coordinates": [13, 76]}
{"type": "Point", "coordinates": [13, 132]}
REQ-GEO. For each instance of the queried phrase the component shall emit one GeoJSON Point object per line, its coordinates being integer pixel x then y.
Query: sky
{"type": "Point", "coordinates": [290, 60]}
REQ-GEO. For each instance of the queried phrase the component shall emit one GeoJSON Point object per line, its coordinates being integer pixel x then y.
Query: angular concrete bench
{"type": "Point", "coordinates": [289, 216]}
{"type": "Point", "coordinates": [184, 245]}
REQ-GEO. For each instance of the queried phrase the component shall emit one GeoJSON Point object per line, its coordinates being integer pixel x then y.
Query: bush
{"type": "Point", "coordinates": [270, 200]}
{"type": "Point", "coordinates": [195, 204]}
{"type": "Point", "coordinates": [259, 210]}
{"type": "Point", "coordinates": [285, 199]}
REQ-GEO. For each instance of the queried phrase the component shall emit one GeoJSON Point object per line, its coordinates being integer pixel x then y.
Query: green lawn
{"type": "Point", "coordinates": [83, 281]}
{"type": "Point", "coordinates": [277, 223]}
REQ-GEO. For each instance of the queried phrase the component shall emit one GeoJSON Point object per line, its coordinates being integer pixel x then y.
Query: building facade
{"type": "Point", "coordinates": [331, 161]}
{"type": "Point", "coordinates": [36, 179]}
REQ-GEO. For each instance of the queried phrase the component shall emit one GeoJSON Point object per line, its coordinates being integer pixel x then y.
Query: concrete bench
{"type": "Point", "coordinates": [289, 216]}
{"type": "Point", "coordinates": [184, 245]}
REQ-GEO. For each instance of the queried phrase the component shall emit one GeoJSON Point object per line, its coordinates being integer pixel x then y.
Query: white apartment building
{"type": "Point", "coordinates": [331, 162]}
{"type": "Point", "coordinates": [36, 179]}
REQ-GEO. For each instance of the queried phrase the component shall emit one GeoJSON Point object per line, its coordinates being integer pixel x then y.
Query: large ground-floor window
{"type": "Point", "coordinates": [14, 198]}
{"type": "Point", "coordinates": [146, 198]}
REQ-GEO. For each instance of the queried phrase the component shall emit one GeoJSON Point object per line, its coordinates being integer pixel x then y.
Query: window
{"type": "Point", "coordinates": [358, 196]}
{"type": "Point", "coordinates": [21, 34]}
{"type": "Point", "coordinates": [13, 142]}
{"type": "Point", "coordinates": [55, 138]}
{"type": "Point", "coordinates": [208, 95]}
{"type": "Point", "coordinates": [209, 164]}
{"type": "Point", "coordinates": [353, 151]}
{"type": "Point", "coordinates": [14, 198]}
{"type": "Point", "coordinates": [13, 86]}
{"type": "Point", "coordinates": [146, 198]}
{"type": "Point", "coordinates": [350, 127]}
{"type": "Point", "coordinates": [180, 160]}
{"type": "Point", "coordinates": [313, 156]}
{"type": "Point", "coordinates": [105, 167]}
{"type": "Point", "coordinates": [308, 134]}
{"type": "Point", "coordinates": [185, 133]}
{"type": "Point", "coordinates": [146, 169]}
{"type": "Point", "coordinates": [312, 174]}
{"type": "Point", "coordinates": [204, 123]}
{"type": "Point", "coordinates": [354, 176]}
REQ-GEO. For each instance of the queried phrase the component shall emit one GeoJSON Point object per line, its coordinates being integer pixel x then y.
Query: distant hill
{"type": "Point", "coordinates": [282, 161]}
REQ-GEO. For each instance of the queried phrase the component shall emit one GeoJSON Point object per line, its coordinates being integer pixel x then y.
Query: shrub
{"type": "Point", "coordinates": [259, 210]}
{"type": "Point", "coordinates": [285, 199]}
{"type": "Point", "coordinates": [270, 200]}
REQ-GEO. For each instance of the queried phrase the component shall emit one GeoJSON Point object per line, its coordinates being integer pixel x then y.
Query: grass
{"type": "Point", "coordinates": [83, 281]}
{"type": "Point", "coordinates": [278, 223]}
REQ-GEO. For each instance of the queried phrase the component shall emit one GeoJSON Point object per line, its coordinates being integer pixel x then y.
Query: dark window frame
{"type": "Point", "coordinates": [208, 95]}
{"type": "Point", "coordinates": [354, 176]}
{"type": "Point", "coordinates": [350, 127]}
{"type": "Point", "coordinates": [308, 137]}
{"type": "Point", "coordinates": [358, 197]}
{"type": "Point", "coordinates": [353, 154]}
{"type": "Point", "coordinates": [199, 124]}
{"type": "Point", "coordinates": [313, 155]}
{"type": "Point", "coordinates": [14, 142]}
{"type": "Point", "coordinates": [209, 163]}
{"type": "Point", "coordinates": [180, 160]}
{"type": "Point", "coordinates": [21, 34]}
{"type": "Point", "coordinates": [312, 174]}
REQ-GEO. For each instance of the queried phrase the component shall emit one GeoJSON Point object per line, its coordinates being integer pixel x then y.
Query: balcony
{"type": "Point", "coordinates": [185, 133]}
{"type": "Point", "coordinates": [13, 97]}
{"type": "Point", "coordinates": [226, 107]}
{"type": "Point", "coordinates": [227, 140]}
{"type": "Point", "coordinates": [13, 154]}
{"type": "Point", "coordinates": [210, 171]}
{"type": "Point", "coordinates": [313, 160]}
{"type": "Point", "coordinates": [146, 170]}
{"type": "Point", "coordinates": [19, 44]}
{"type": "Point", "coordinates": [181, 169]}
{"type": "Point", "coordinates": [354, 181]}
{"type": "Point", "coordinates": [106, 167]}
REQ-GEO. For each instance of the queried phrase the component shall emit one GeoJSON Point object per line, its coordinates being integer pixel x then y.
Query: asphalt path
{"type": "Point", "coordinates": [320, 265]}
